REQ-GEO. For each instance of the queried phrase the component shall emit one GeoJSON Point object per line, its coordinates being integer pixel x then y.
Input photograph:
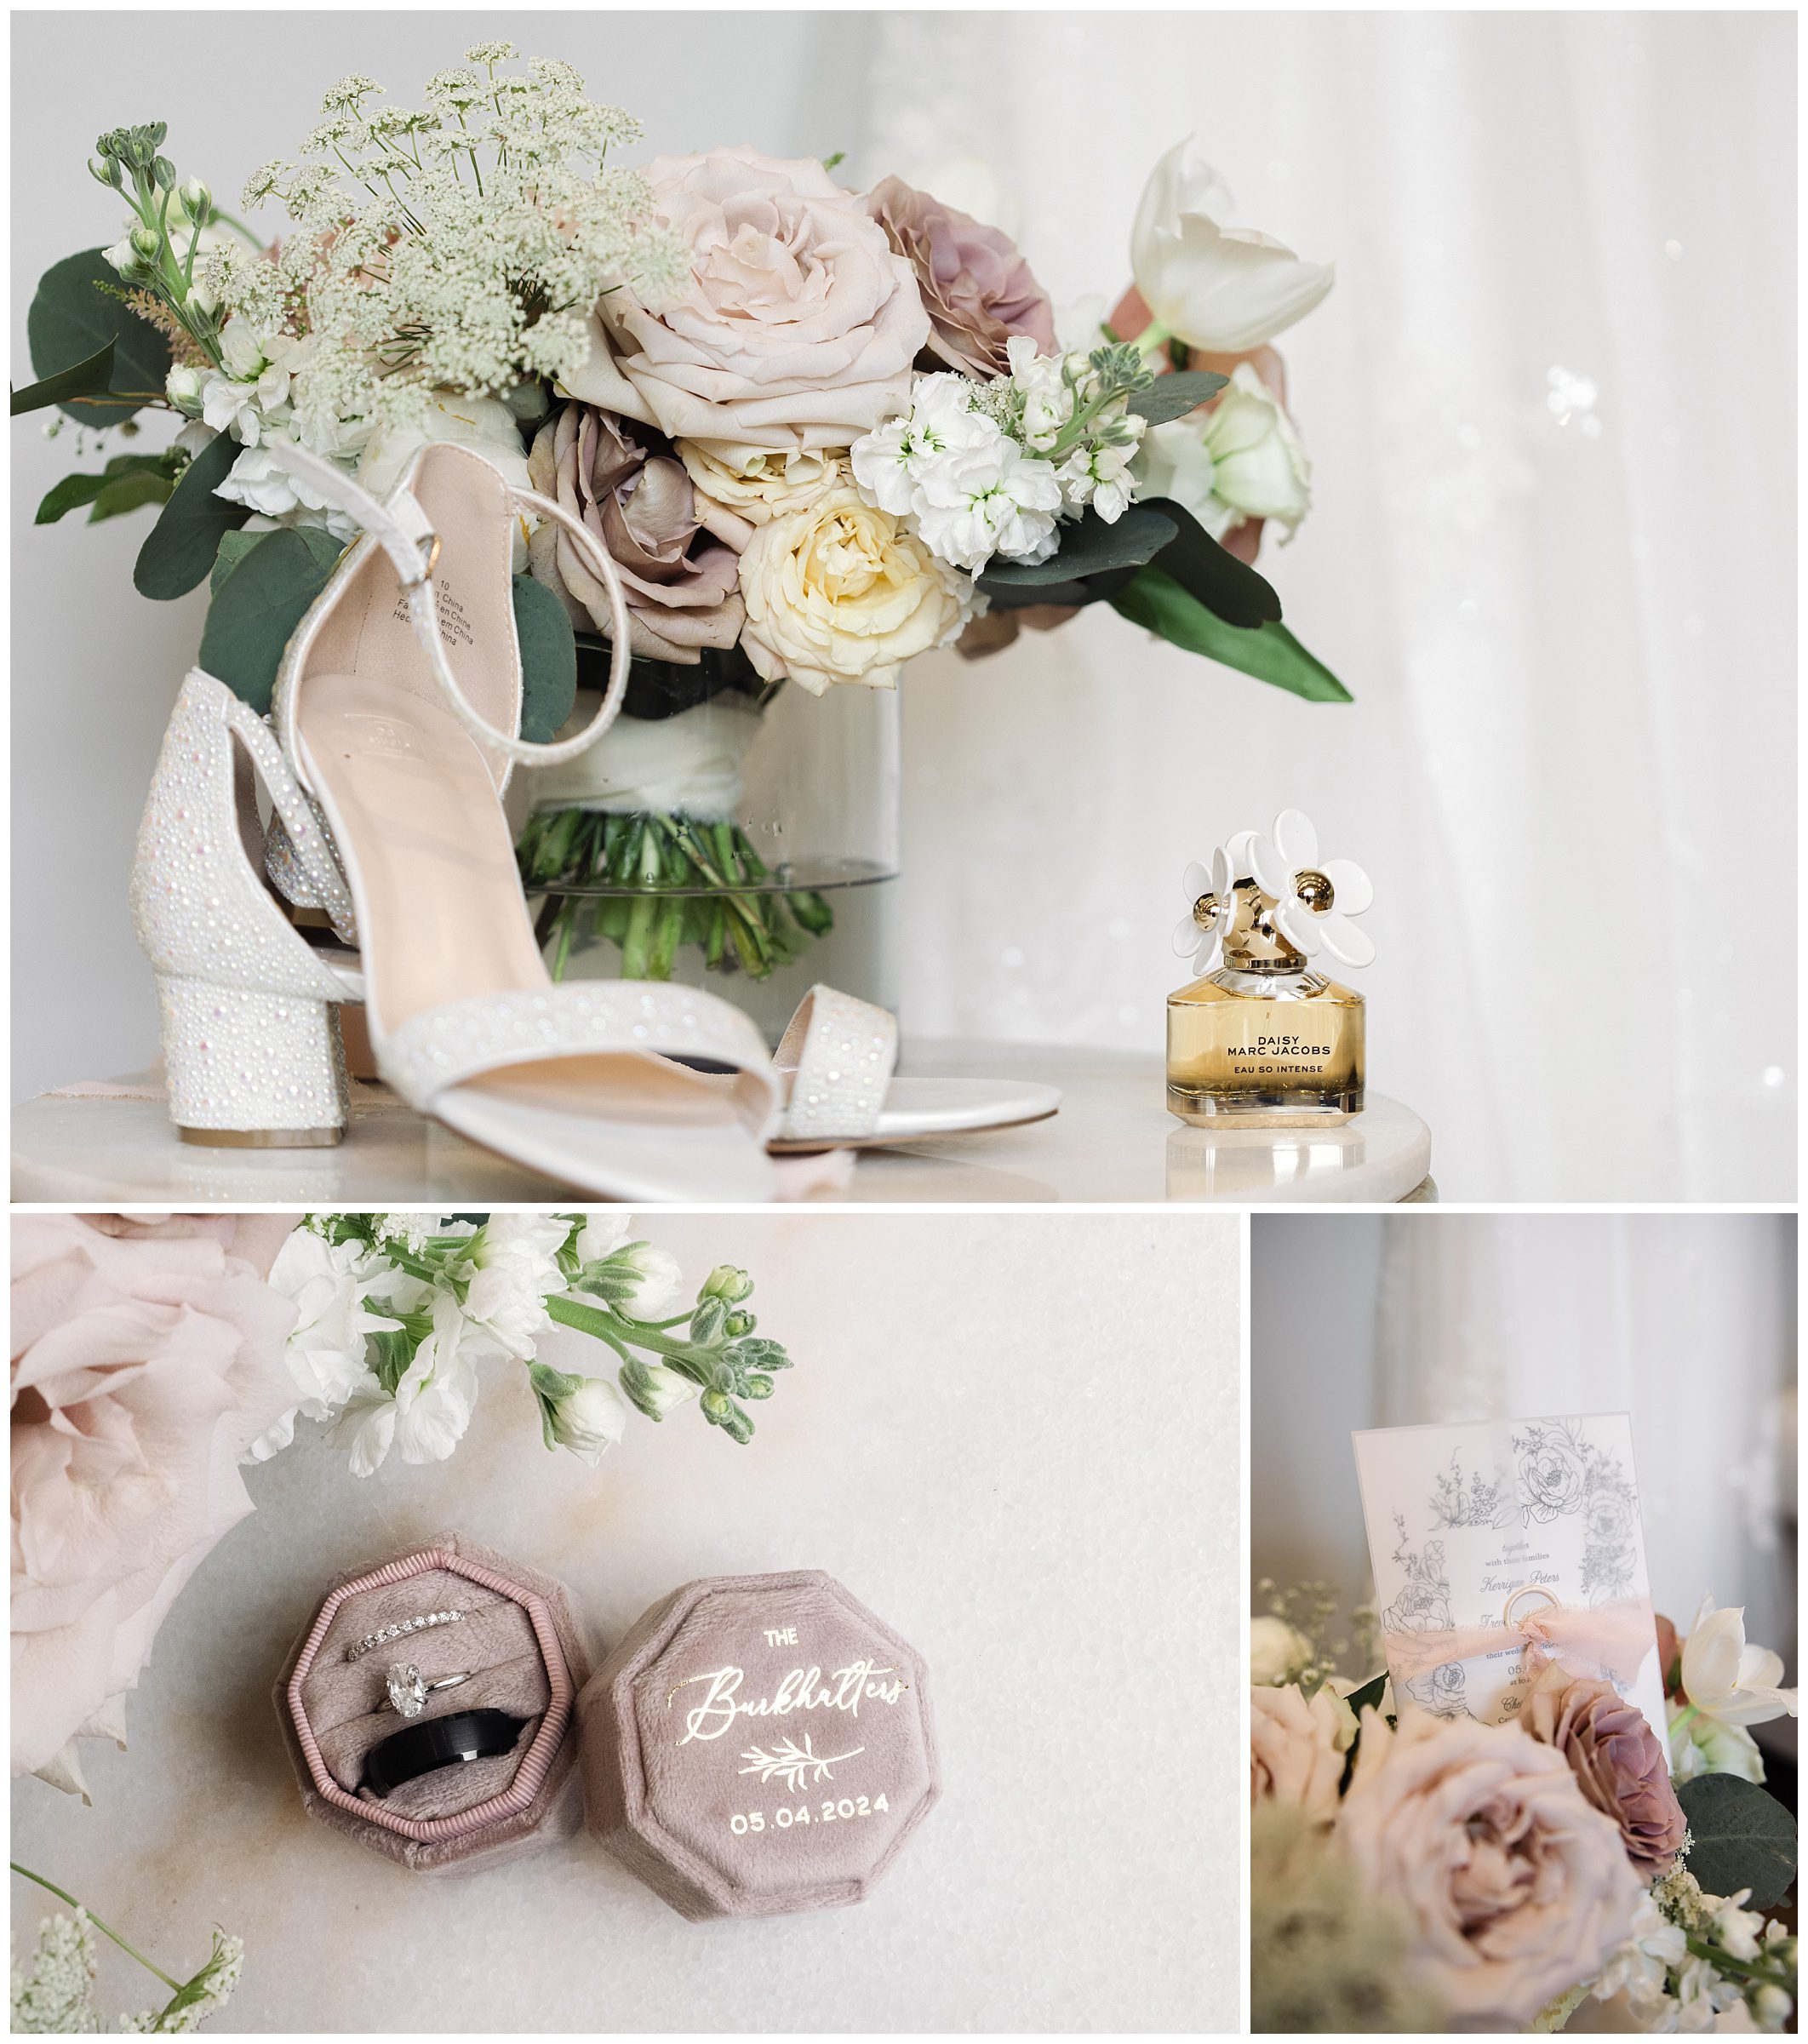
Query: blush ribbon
{"type": "Point", "coordinates": [1611, 1639]}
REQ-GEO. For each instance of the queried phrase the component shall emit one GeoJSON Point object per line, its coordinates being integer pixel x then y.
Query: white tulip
{"type": "Point", "coordinates": [1726, 1680]}
{"type": "Point", "coordinates": [1278, 1651]}
{"type": "Point", "coordinates": [1242, 460]}
{"type": "Point", "coordinates": [1224, 289]}
{"type": "Point", "coordinates": [1702, 1745]}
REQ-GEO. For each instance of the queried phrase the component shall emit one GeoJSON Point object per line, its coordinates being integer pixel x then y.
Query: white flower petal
{"type": "Point", "coordinates": [1296, 923]}
{"type": "Point", "coordinates": [1296, 839]}
{"type": "Point", "coordinates": [1352, 886]}
{"type": "Point", "coordinates": [1342, 939]}
{"type": "Point", "coordinates": [1271, 872]}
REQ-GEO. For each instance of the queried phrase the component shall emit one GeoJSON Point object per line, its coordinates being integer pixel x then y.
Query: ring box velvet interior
{"type": "Point", "coordinates": [519, 1644]}
{"type": "Point", "coordinates": [757, 1745]}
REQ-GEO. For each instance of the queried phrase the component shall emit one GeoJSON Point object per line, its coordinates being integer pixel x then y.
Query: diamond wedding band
{"type": "Point", "coordinates": [401, 1630]}
{"type": "Point", "coordinates": [409, 1693]}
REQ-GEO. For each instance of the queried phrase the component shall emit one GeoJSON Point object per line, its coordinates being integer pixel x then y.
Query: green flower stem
{"type": "Point", "coordinates": [1152, 336]}
{"type": "Point", "coordinates": [1684, 1718]}
{"type": "Point", "coordinates": [655, 885]}
{"type": "Point", "coordinates": [1723, 1962]}
{"type": "Point", "coordinates": [608, 1326]}
{"type": "Point", "coordinates": [63, 1895]}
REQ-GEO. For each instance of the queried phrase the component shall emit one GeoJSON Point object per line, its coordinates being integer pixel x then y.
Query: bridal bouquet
{"type": "Point", "coordinates": [818, 432]}
{"type": "Point", "coordinates": [1417, 1871]}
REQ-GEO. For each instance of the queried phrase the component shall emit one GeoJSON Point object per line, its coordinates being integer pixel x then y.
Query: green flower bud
{"type": "Point", "coordinates": [146, 242]}
{"type": "Point", "coordinates": [716, 1406]}
{"type": "Point", "coordinates": [727, 1283]}
{"type": "Point", "coordinates": [758, 1386]}
{"type": "Point", "coordinates": [739, 1324]}
{"type": "Point", "coordinates": [197, 201]}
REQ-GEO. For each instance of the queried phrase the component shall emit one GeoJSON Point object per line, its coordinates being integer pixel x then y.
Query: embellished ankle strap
{"type": "Point", "coordinates": [405, 534]}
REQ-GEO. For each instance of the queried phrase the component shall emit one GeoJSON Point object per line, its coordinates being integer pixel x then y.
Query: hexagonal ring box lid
{"type": "Point", "coordinates": [759, 1745]}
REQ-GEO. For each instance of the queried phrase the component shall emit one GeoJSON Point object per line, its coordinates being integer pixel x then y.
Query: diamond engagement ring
{"type": "Point", "coordinates": [408, 1692]}
{"type": "Point", "coordinates": [401, 1630]}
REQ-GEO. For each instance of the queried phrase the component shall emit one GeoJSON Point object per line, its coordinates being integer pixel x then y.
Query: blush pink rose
{"type": "Point", "coordinates": [1296, 1748]}
{"type": "Point", "coordinates": [1618, 1762]}
{"type": "Point", "coordinates": [976, 286]}
{"type": "Point", "coordinates": [146, 1359]}
{"type": "Point", "coordinates": [679, 580]}
{"type": "Point", "coordinates": [798, 324]}
{"type": "Point", "coordinates": [1516, 1887]}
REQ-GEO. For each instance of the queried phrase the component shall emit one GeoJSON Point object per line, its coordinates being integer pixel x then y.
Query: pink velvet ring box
{"type": "Point", "coordinates": [757, 1745]}
{"type": "Point", "coordinates": [518, 1642]}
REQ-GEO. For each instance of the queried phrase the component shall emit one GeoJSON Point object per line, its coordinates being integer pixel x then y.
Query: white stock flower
{"type": "Point", "coordinates": [605, 1229]}
{"type": "Point", "coordinates": [1047, 396]}
{"type": "Point", "coordinates": [1099, 476]}
{"type": "Point", "coordinates": [182, 387]}
{"type": "Point", "coordinates": [589, 1419]}
{"type": "Point", "coordinates": [325, 1351]}
{"type": "Point", "coordinates": [231, 406]}
{"type": "Point", "coordinates": [1726, 1680]}
{"type": "Point", "coordinates": [514, 1259]}
{"type": "Point", "coordinates": [1223, 290]}
{"type": "Point", "coordinates": [1641, 1969]}
{"type": "Point", "coordinates": [1278, 1651]}
{"type": "Point", "coordinates": [663, 1388]}
{"type": "Point", "coordinates": [259, 481]}
{"type": "Point", "coordinates": [655, 1277]}
{"type": "Point", "coordinates": [890, 462]}
{"type": "Point", "coordinates": [974, 502]}
{"type": "Point", "coordinates": [1242, 460]}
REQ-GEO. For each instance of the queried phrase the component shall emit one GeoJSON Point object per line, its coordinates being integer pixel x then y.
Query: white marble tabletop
{"type": "Point", "coordinates": [1016, 1437]}
{"type": "Point", "coordinates": [1113, 1140]}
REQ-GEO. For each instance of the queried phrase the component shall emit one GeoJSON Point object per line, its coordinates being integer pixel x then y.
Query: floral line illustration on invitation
{"type": "Point", "coordinates": [1477, 1500]}
{"type": "Point", "coordinates": [1561, 1473]}
{"type": "Point", "coordinates": [1423, 1605]}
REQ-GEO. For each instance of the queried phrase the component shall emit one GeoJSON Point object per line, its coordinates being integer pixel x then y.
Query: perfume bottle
{"type": "Point", "coordinates": [1261, 1039]}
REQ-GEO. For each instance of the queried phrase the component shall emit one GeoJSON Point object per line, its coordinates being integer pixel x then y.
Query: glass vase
{"type": "Point", "coordinates": [724, 834]}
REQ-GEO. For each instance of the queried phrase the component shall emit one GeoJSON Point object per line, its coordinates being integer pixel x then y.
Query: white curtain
{"type": "Point", "coordinates": [1550, 404]}
{"type": "Point", "coordinates": [1685, 1321]}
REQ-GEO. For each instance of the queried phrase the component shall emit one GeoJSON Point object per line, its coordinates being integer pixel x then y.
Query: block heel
{"type": "Point", "coordinates": [252, 1070]}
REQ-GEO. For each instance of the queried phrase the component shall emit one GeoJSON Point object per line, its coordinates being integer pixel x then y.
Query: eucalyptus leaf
{"type": "Point", "coordinates": [87, 378]}
{"type": "Point", "coordinates": [1742, 1838]}
{"type": "Point", "coordinates": [181, 546]}
{"type": "Point", "coordinates": [1270, 652]}
{"type": "Point", "coordinates": [72, 319]}
{"type": "Point", "coordinates": [1229, 587]}
{"type": "Point", "coordinates": [125, 472]}
{"type": "Point", "coordinates": [1089, 546]}
{"type": "Point", "coordinates": [130, 491]}
{"type": "Point", "coordinates": [548, 660]}
{"type": "Point", "coordinates": [1174, 397]}
{"type": "Point", "coordinates": [256, 605]}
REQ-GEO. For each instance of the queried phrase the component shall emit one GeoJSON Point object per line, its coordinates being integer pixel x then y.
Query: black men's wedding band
{"type": "Point", "coordinates": [467, 1735]}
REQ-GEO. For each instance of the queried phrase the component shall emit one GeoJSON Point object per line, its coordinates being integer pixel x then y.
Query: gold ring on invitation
{"type": "Point", "coordinates": [1527, 1589]}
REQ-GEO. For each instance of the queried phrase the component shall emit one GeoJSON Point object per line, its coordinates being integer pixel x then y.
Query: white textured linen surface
{"type": "Point", "coordinates": [1570, 636]}
{"type": "Point", "coordinates": [1015, 1437]}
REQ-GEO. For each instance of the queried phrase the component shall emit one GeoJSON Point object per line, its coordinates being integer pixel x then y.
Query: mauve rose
{"type": "Point", "coordinates": [679, 582]}
{"type": "Point", "coordinates": [145, 1365]}
{"type": "Point", "coordinates": [1516, 1886]}
{"type": "Point", "coordinates": [1616, 1758]}
{"type": "Point", "coordinates": [1296, 1748]}
{"type": "Point", "coordinates": [976, 286]}
{"type": "Point", "coordinates": [798, 325]}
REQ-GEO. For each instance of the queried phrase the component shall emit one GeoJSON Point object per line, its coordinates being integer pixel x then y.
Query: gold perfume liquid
{"type": "Point", "coordinates": [1265, 1050]}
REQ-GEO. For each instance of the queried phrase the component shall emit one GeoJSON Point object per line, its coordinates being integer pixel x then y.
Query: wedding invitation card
{"type": "Point", "coordinates": [1521, 1529]}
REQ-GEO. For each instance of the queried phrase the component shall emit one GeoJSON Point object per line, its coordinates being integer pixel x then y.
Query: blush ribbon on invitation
{"type": "Point", "coordinates": [1610, 1639]}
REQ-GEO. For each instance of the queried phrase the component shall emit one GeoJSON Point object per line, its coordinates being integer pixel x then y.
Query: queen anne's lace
{"type": "Point", "coordinates": [456, 247]}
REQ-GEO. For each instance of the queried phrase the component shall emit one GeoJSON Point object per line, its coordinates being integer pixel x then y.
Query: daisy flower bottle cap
{"type": "Point", "coordinates": [1263, 1036]}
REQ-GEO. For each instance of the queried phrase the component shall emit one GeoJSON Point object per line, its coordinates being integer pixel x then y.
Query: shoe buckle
{"type": "Point", "coordinates": [429, 544]}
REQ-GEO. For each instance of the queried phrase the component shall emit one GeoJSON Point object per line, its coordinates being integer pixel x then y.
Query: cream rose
{"type": "Point", "coordinates": [1279, 1651]}
{"type": "Point", "coordinates": [1519, 1889]}
{"type": "Point", "coordinates": [796, 327]}
{"type": "Point", "coordinates": [1297, 1749]}
{"type": "Point", "coordinates": [755, 483]}
{"type": "Point", "coordinates": [840, 592]}
{"type": "Point", "coordinates": [145, 1365]}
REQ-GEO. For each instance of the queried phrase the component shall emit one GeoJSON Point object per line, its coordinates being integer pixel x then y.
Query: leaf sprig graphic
{"type": "Point", "coordinates": [794, 1764]}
